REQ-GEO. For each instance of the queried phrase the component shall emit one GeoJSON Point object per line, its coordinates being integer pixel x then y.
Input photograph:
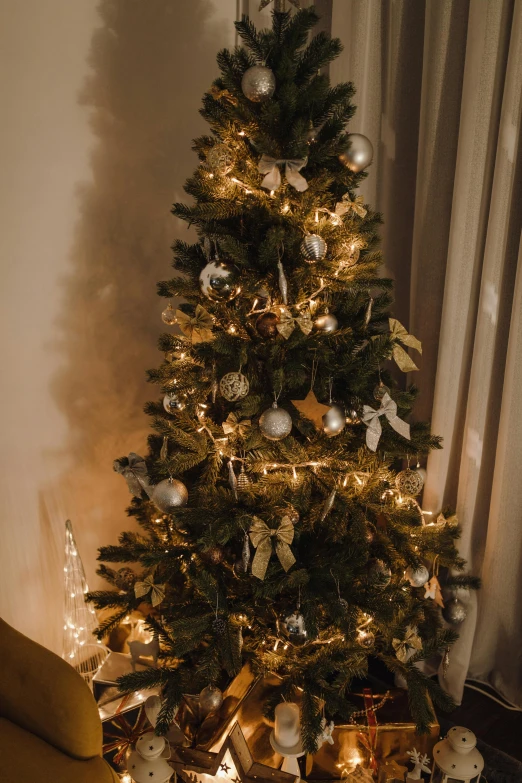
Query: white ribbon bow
{"type": "Point", "coordinates": [272, 181]}
{"type": "Point", "coordinates": [371, 419]}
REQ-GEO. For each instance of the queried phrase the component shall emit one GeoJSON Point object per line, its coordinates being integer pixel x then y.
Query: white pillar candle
{"type": "Point", "coordinates": [287, 731]}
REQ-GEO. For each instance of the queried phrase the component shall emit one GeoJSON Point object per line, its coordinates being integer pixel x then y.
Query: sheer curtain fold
{"type": "Point", "coordinates": [452, 201]}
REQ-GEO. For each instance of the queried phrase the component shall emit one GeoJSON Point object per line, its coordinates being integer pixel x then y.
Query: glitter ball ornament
{"type": "Point", "coordinates": [275, 423]}
{"type": "Point", "coordinates": [380, 390]}
{"type": "Point", "coordinates": [234, 386]}
{"type": "Point", "coordinates": [219, 626]}
{"type": "Point", "coordinates": [417, 577]}
{"type": "Point", "coordinates": [409, 482]}
{"type": "Point", "coordinates": [313, 248]}
{"type": "Point", "coordinates": [172, 402]}
{"type": "Point", "coordinates": [218, 281]}
{"type": "Point", "coordinates": [266, 324]}
{"type": "Point", "coordinates": [366, 638]}
{"type": "Point", "coordinates": [455, 612]}
{"type": "Point", "coordinates": [258, 83]}
{"type": "Point", "coordinates": [295, 628]}
{"type": "Point", "coordinates": [379, 574]}
{"type": "Point", "coordinates": [334, 421]}
{"type": "Point", "coordinates": [220, 160]}
{"type": "Point", "coordinates": [359, 154]}
{"type": "Point", "coordinates": [210, 699]}
{"type": "Point", "coordinates": [169, 494]}
{"type": "Point", "coordinates": [243, 480]}
{"type": "Point", "coordinates": [168, 315]}
{"type": "Point", "coordinates": [326, 323]}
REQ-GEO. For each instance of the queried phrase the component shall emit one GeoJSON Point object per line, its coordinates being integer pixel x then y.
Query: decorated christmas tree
{"type": "Point", "coordinates": [277, 499]}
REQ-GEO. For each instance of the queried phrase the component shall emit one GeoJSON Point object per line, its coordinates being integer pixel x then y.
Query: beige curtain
{"type": "Point", "coordinates": [439, 93]}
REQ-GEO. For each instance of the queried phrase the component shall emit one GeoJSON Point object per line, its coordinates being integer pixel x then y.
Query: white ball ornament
{"type": "Point", "coordinates": [169, 494]}
{"type": "Point", "coordinates": [417, 577]}
{"type": "Point", "coordinates": [258, 83]}
{"type": "Point", "coordinates": [327, 323]}
{"type": "Point", "coordinates": [359, 154]}
{"type": "Point", "coordinates": [218, 281]}
{"type": "Point", "coordinates": [275, 423]}
{"type": "Point", "coordinates": [334, 421]}
{"type": "Point", "coordinates": [234, 386]}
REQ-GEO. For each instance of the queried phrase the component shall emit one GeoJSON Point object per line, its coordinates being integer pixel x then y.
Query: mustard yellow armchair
{"type": "Point", "coordinates": [50, 730]}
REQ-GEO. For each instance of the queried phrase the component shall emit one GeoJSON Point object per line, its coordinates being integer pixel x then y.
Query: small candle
{"type": "Point", "coordinates": [286, 731]}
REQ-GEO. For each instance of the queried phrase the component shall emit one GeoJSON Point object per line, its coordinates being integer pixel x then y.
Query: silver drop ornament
{"type": "Point", "coordinates": [169, 494]}
{"type": "Point", "coordinates": [234, 386]}
{"type": "Point", "coordinates": [172, 402]}
{"type": "Point", "coordinates": [334, 421]}
{"type": "Point", "coordinates": [210, 699]}
{"type": "Point", "coordinates": [327, 323]}
{"type": "Point", "coordinates": [258, 83]}
{"type": "Point", "coordinates": [455, 612]}
{"type": "Point", "coordinates": [359, 154]}
{"type": "Point", "coordinates": [417, 577]}
{"type": "Point", "coordinates": [275, 423]}
{"type": "Point", "coordinates": [218, 281]}
{"type": "Point", "coordinates": [313, 248]}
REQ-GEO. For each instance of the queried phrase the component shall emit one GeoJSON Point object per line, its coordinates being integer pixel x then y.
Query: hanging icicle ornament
{"type": "Point", "coordinates": [232, 479]}
{"type": "Point", "coordinates": [168, 315]}
{"type": "Point", "coordinates": [328, 503]}
{"type": "Point", "coordinates": [368, 312]}
{"type": "Point", "coordinates": [313, 248]}
{"type": "Point", "coordinates": [283, 282]}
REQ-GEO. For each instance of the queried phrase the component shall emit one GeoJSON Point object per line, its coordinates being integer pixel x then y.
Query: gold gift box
{"type": "Point", "coordinates": [243, 702]}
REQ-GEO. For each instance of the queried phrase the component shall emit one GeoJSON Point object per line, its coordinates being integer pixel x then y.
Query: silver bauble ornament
{"type": "Point", "coordinates": [266, 324]}
{"type": "Point", "coordinates": [275, 423]}
{"type": "Point", "coordinates": [258, 83]}
{"type": "Point", "coordinates": [417, 577]}
{"type": "Point", "coordinates": [334, 421]}
{"type": "Point", "coordinates": [220, 160]}
{"type": "Point", "coordinates": [379, 574]}
{"type": "Point", "coordinates": [210, 699]}
{"type": "Point", "coordinates": [234, 386]}
{"type": "Point", "coordinates": [380, 390]}
{"type": "Point", "coordinates": [295, 628]}
{"type": "Point", "coordinates": [366, 638]}
{"type": "Point", "coordinates": [219, 626]}
{"type": "Point", "coordinates": [313, 248]}
{"type": "Point", "coordinates": [326, 323]}
{"type": "Point", "coordinates": [409, 482]}
{"type": "Point", "coordinates": [218, 281]}
{"type": "Point", "coordinates": [172, 402]}
{"type": "Point", "coordinates": [359, 154]}
{"type": "Point", "coordinates": [168, 315]}
{"type": "Point", "coordinates": [455, 612]}
{"type": "Point", "coordinates": [169, 494]}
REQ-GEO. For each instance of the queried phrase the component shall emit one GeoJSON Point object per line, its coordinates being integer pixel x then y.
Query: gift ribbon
{"type": "Point", "coordinates": [345, 205]}
{"type": "Point", "coordinates": [157, 592]}
{"type": "Point", "coordinates": [128, 734]}
{"type": "Point", "coordinates": [287, 323]}
{"type": "Point", "coordinates": [404, 648]}
{"type": "Point", "coordinates": [399, 334]}
{"type": "Point", "coordinates": [262, 536]}
{"type": "Point", "coordinates": [197, 327]}
{"type": "Point", "coordinates": [134, 473]}
{"type": "Point", "coordinates": [233, 426]}
{"type": "Point", "coordinates": [272, 180]}
{"type": "Point", "coordinates": [371, 419]}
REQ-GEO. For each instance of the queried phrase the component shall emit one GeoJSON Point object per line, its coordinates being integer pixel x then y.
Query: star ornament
{"type": "Point", "coordinates": [311, 409]}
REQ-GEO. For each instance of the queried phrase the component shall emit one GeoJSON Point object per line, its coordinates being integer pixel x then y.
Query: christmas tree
{"type": "Point", "coordinates": [278, 526]}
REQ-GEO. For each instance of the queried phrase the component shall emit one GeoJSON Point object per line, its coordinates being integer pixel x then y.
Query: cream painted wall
{"type": "Point", "coordinates": [99, 109]}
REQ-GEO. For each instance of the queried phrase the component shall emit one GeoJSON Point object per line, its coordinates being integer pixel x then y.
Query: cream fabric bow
{"type": "Point", "coordinates": [198, 327]}
{"type": "Point", "coordinates": [261, 536]}
{"type": "Point", "coordinates": [272, 180]}
{"type": "Point", "coordinates": [287, 322]}
{"type": "Point", "coordinates": [233, 426]}
{"type": "Point", "coordinates": [405, 648]}
{"type": "Point", "coordinates": [371, 419]}
{"type": "Point", "coordinates": [345, 205]}
{"type": "Point", "coordinates": [399, 334]}
{"type": "Point", "coordinates": [157, 592]}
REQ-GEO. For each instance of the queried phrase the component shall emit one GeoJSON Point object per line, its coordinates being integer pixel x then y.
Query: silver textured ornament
{"type": "Point", "coordinates": [258, 83]}
{"type": "Point", "coordinates": [232, 480]}
{"type": "Point", "coordinates": [379, 574]}
{"type": "Point", "coordinates": [334, 421]}
{"type": "Point", "coordinates": [359, 154]}
{"type": "Point", "coordinates": [234, 386]}
{"type": "Point", "coordinates": [210, 699]}
{"type": "Point", "coordinates": [283, 282]}
{"type": "Point", "coordinates": [169, 494]}
{"type": "Point", "coordinates": [326, 323]}
{"type": "Point", "coordinates": [168, 315]}
{"type": "Point", "coordinates": [243, 480]}
{"type": "Point", "coordinates": [219, 626]}
{"type": "Point", "coordinates": [313, 248]}
{"type": "Point", "coordinates": [409, 482]}
{"type": "Point", "coordinates": [275, 423]}
{"type": "Point", "coordinates": [417, 577]}
{"type": "Point", "coordinates": [218, 281]}
{"type": "Point", "coordinates": [220, 159]}
{"type": "Point", "coordinates": [455, 612]}
{"type": "Point", "coordinates": [295, 628]}
{"type": "Point", "coordinates": [172, 402]}
{"type": "Point", "coordinates": [328, 503]}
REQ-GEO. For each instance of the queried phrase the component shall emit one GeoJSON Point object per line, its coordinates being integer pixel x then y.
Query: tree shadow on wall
{"type": "Point", "coordinates": [151, 63]}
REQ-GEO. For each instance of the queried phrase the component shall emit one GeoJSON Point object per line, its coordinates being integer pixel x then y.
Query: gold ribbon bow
{"type": "Point", "coordinates": [405, 648]}
{"type": "Point", "coordinates": [198, 327]}
{"type": "Point", "coordinates": [157, 592]}
{"type": "Point", "coordinates": [345, 205]}
{"type": "Point", "coordinates": [272, 180]}
{"type": "Point", "coordinates": [261, 536]}
{"type": "Point", "coordinates": [233, 426]}
{"type": "Point", "coordinates": [287, 322]}
{"type": "Point", "coordinates": [371, 419]}
{"type": "Point", "coordinates": [399, 333]}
